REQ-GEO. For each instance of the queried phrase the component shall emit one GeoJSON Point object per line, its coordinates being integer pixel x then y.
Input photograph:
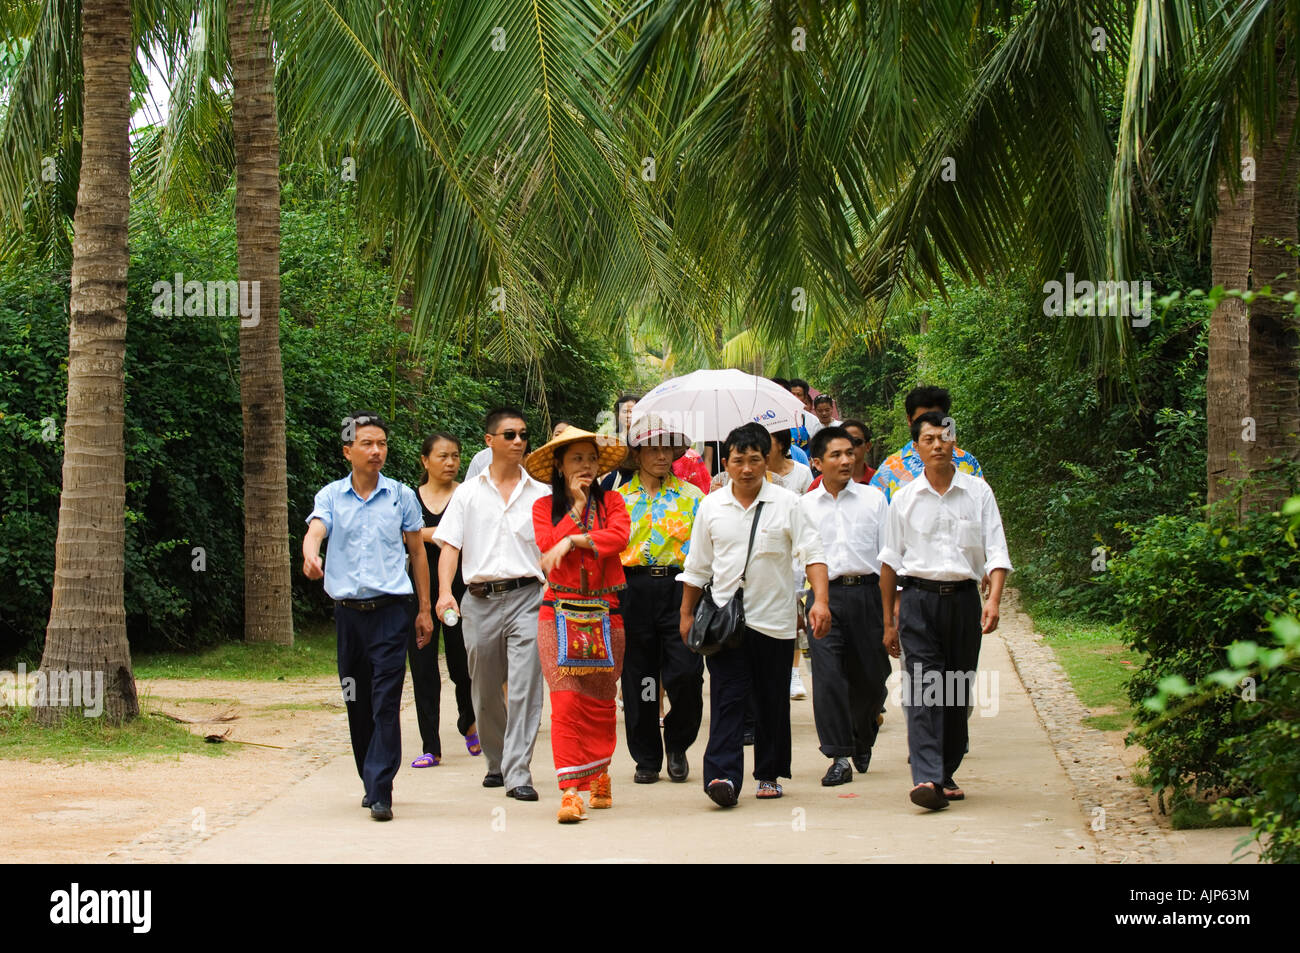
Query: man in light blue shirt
{"type": "Point", "coordinates": [373, 523]}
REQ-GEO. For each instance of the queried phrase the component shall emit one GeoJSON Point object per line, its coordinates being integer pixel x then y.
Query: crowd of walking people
{"type": "Point", "coordinates": [613, 570]}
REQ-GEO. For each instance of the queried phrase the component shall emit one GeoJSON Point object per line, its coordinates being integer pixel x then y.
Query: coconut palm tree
{"type": "Point", "coordinates": [87, 627]}
{"type": "Point", "coordinates": [1210, 106]}
{"type": "Point", "coordinates": [268, 603]}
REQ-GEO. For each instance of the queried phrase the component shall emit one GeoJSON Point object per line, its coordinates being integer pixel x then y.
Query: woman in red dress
{"type": "Point", "coordinates": [581, 531]}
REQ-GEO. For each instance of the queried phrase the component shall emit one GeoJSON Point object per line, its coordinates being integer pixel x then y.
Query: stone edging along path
{"type": "Point", "coordinates": [1121, 819]}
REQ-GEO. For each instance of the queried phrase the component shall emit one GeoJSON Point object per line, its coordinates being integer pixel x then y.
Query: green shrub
{"type": "Point", "coordinates": [1188, 589]}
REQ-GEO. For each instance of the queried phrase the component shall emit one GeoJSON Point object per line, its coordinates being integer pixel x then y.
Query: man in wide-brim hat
{"type": "Point", "coordinates": [661, 507]}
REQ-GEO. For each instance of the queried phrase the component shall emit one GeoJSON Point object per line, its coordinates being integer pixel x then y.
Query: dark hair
{"type": "Point", "coordinates": [782, 381]}
{"type": "Point", "coordinates": [560, 489]}
{"type": "Point", "coordinates": [823, 399]}
{"type": "Point", "coordinates": [854, 422]}
{"type": "Point", "coordinates": [927, 397]}
{"type": "Point", "coordinates": [783, 438]}
{"type": "Point", "coordinates": [933, 417]}
{"type": "Point", "coordinates": [362, 418]}
{"type": "Point", "coordinates": [498, 414]}
{"type": "Point", "coordinates": [618, 404]}
{"type": "Point", "coordinates": [566, 423]}
{"type": "Point", "coordinates": [817, 449]}
{"type": "Point", "coordinates": [799, 382]}
{"type": "Point", "coordinates": [426, 448]}
{"type": "Point", "coordinates": [747, 437]}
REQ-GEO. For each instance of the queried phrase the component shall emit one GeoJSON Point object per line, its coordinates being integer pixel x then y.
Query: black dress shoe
{"type": "Point", "coordinates": [494, 781]}
{"type": "Point", "coordinates": [749, 738]}
{"type": "Point", "coordinates": [365, 801]}
{"type": "Point", "coordinates": [645, 776]}
{"type": "Point", "coordinates": [837, 773]}
{"type": "Point", "coordinates": [524, 792]}
{"type": "Point", "coordinates": [861, 762]}
{"type": "Point", "coordinates": [380, 811]}
{"type": "Point", "coordinates": [678, 768]}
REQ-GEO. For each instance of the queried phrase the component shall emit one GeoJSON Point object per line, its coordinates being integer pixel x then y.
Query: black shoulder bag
{"type": "Point", "coordinates": [716, 628]}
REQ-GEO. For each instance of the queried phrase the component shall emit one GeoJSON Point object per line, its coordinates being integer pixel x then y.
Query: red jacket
{"type": "Point", "coordinates": [603, 569]}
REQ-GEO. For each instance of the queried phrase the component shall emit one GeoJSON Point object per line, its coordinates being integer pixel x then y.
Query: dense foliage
{"type": "Point", "coordinates": [342, 351]}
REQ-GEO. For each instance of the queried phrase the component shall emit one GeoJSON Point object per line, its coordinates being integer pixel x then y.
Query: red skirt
{"type": "Point", "coordinates": [584, 716]}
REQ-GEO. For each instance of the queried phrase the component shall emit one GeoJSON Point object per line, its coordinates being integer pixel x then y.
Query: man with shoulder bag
{"type": "Point", "coordinates": [742, 543]}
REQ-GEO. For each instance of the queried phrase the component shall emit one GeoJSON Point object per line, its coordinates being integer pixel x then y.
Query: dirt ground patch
{"type": "Point", "coordinates": [94, 811]}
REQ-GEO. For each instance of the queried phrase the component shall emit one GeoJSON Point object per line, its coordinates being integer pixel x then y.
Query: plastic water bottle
{"type": "Point", "coordinates": [450, 617]}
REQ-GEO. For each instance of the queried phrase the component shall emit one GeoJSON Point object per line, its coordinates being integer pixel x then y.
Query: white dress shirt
{"type": "Point", "coordinates": [719, 538]}
{"type": "Point", "coordinates": [817, 425]}
{"type": "Point", "coordinates": [945, 538]}
{"type": "Point", "coordinates": [495, 537]}
{"type": "Point", "coordinates": [482, 460]}
{"type": "Point", "coordinates": [850, 526]}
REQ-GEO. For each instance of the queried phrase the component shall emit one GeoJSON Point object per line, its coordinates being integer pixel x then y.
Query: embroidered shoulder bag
{"type": "Point", "coordinates": [582, 625]}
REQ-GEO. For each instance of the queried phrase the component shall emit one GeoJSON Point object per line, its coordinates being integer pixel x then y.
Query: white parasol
{"type": "Point", "coordinates": [709, 404]}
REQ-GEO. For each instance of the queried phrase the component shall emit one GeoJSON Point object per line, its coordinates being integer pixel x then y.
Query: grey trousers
{"type": "Point", "coordinates": [501, 646]}
{"type": "Point", "coordinates": [941, 639]}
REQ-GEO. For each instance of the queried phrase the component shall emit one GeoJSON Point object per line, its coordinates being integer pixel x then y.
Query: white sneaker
{"type": "Point", "coordinates": [796, 685]}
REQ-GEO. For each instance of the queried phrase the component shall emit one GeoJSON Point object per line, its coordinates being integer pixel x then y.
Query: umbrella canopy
{"type": "Point", "coordinates": [710, 404]}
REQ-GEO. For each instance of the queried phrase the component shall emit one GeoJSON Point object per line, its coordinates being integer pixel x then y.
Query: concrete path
{"type": "Point", "coordinates": [1020, 806]}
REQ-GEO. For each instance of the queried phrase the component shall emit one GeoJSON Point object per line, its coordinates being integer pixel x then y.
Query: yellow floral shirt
{"type": "Point", "coordinates": [661, 524]}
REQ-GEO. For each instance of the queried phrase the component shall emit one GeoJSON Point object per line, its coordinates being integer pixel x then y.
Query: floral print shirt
{"type": "Point", "coordinates": [661, 524]}
{"type": "Point", "coordinates": [902, 467]}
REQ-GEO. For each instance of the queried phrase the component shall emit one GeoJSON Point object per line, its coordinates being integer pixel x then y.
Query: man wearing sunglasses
{"type": "Point", "coordinates": [488, 526]}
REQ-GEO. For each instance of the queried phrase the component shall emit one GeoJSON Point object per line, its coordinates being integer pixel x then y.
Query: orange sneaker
{"type": "Point", "coordinates": [600, 793]}
{"type": "Point", "coordinates": [571, 809]}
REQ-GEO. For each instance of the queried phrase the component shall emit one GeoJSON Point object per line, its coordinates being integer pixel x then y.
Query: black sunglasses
{"type": "Point", "coordinates": [510, 435]}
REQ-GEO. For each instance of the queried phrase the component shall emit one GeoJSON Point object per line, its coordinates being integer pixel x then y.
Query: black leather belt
{"type": "Point", "coordinates": [370, 605]}
{"type": "Point", "coordinates": [655, 571]}
{"type": "Point", "coordinates": [929, 585]}
{"type": "Point", "coordinates": [869, 580]}
{"type": "Point", "coordinates": [485, 589]}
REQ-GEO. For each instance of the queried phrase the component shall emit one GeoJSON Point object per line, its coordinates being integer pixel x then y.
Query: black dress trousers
{"type": "Point", "coordinates": [372, 668]}
{"type": "Point", "coordinates": [850, 670]}
{"type": "Point", "coordinates": [654, 655]}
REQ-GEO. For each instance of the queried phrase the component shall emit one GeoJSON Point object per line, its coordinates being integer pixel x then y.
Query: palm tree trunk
{"type": "Point", "coordinates": [268, 610]}
{"type": "Point", "coordinates": [86, 635]}
{"type": "Point", "coordinates": [1229, 345]}
{"type": "Point", "coordinates": [1273, 379]}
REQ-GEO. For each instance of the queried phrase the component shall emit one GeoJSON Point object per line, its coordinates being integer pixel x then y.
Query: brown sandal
{"type": "Point", "coordinates": [928, 796]}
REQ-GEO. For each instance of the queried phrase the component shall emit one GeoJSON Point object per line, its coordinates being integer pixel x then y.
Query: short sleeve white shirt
{"type": "Point", "coordinates": [494, 536]}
